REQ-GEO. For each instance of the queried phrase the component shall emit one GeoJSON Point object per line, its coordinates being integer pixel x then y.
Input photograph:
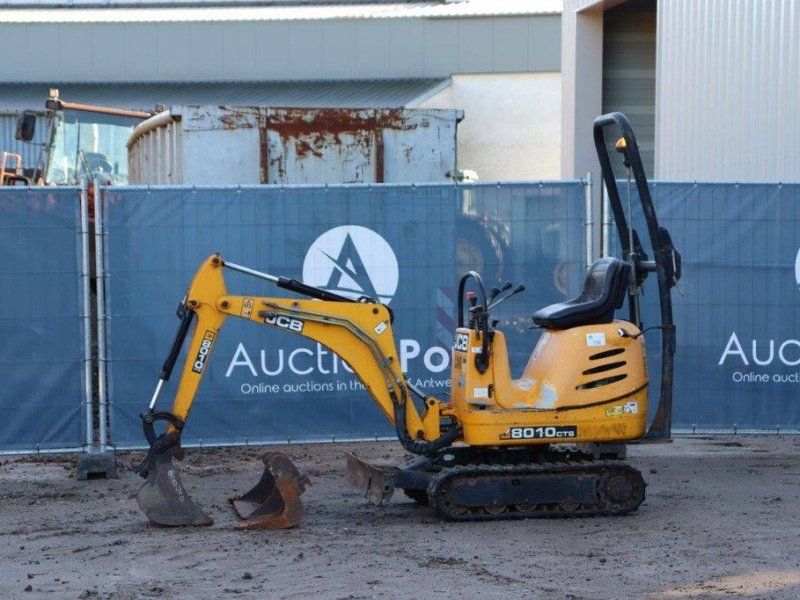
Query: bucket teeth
{"type": "Point", "coordinates": [274, 502]}
{"type": "Point", "coordinates": [164, 500]}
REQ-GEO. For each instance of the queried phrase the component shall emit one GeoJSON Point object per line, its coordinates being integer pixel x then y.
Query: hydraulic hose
{"type": "Point", "coordinates": [419, 446]}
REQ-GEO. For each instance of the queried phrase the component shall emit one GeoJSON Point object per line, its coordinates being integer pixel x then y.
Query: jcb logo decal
{"type": "Point", "coordinates": [285, 322]}
{"type": "Point", "coordinates": [461, 343]}
{"type": "Point", "coordinates": [205, 350]}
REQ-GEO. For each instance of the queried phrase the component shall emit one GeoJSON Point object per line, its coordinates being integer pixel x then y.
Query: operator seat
{"type": "Point", "coordinates": [603, 292]}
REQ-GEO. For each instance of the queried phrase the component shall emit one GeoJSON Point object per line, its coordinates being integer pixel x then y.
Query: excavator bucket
{"type": "Point", "coordinates": [164, 500]}
{"type": "Point", "coordinates": [274, 502]}
{"type": "Point", "coordinates": [376, 481]}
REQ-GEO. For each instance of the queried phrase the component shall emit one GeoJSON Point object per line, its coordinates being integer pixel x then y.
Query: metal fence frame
{"type": "Point", "coordinates": [86, 285]}
{"type": "Point", "coordinates": [84, 275]}
{"type": "Point", "coordinates": [105, 432]}
{"type": "Point", "coordinates": [597, 230]}
{"type": "Point", "coordinates": [597, 227]}
{"type": "Point", "coordinates": [606, 235]}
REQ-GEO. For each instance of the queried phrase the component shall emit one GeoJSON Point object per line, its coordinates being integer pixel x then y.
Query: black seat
{"type": "Point", "coordinates": [603, 292]}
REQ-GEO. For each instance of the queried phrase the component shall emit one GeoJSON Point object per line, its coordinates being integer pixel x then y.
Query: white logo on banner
{"type": "Point", "coordinates": [797, 268]}
{"type": "Point", "coordinates": [352, 261]}
{"type": "Point", "coordinates": [758, 353]}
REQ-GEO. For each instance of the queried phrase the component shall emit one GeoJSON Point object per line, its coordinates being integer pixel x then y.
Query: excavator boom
{"type": "Point", "coordinates": [358, 331]}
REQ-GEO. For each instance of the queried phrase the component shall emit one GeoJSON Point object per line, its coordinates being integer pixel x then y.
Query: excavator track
{"type": "Point", "coordinates": [541, 490]}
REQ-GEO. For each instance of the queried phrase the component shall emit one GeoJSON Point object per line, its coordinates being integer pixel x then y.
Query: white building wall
{"type": "Point", "coordinates": [582, 83]}
{"type": "Point", "coordinates": [512, 124]}
{"type": "Point", "coordinates": [728, 88]}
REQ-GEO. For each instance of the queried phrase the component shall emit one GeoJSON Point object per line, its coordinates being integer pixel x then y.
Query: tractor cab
{"type": "Point", "coordinates": [82, 142]}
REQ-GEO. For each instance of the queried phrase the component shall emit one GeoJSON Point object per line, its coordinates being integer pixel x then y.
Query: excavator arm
{"type": "Point", "coordinates": [358, 331]}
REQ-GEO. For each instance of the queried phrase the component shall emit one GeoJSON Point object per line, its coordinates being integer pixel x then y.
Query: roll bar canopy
{"type": "Point", "coordinates": [666, 261]}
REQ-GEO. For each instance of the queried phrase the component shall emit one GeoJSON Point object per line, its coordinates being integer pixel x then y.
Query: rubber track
{"type": "Point", "coordinates": [603, 506]}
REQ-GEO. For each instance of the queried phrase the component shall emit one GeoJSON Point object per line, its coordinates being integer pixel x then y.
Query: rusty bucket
{"type": "Point", "coordinates": [274, 502]}
{"type": "Point", "coordinates": [164, 500]}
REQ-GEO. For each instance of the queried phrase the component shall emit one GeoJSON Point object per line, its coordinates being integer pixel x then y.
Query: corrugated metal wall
{"type": "Point", "coordinates": [277, 50]}
{"type": "Point", "coordinates": [727, 90]}
{"type": "Point", "coordinates": [29, 151]}
{"type": "Point", "coordinates": [629, 71]}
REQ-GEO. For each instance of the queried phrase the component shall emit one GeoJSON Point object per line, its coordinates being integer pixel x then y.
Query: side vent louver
{"type": "Point", "coordinates": [601, 382]}
{"type": "Point", "coordinates": [605, 367]}
{"type": "Point", "coordinates": [607, 354]}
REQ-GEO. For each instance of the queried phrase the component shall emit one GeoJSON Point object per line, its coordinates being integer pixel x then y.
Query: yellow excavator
{"type": "Point", "coordinates": [498, 447]}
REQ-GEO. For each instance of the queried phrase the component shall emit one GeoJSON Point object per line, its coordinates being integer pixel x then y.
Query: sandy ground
{"type": "Point", "coordinates": [721, 519]}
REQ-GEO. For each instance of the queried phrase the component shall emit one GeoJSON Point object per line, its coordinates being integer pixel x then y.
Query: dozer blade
{"type": "Point", "coordinates": [274, 502]}
{"type": "Point", "coordinates": [376, 481]}
{"type": "Point", "coordinates": [164, 500]}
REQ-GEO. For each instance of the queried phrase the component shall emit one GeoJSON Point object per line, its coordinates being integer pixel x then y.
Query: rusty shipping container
{"type": "Point", "coordinates": [215, 145]}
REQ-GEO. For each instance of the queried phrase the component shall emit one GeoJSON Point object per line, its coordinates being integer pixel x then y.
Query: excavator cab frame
{"type": "Point", "coordinates": [666, 261]}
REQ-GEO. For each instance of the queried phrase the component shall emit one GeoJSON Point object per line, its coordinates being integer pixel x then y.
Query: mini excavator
{"type": "Point", "coordinates": [498, 448]}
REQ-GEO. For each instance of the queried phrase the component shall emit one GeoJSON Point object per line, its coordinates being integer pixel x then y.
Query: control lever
{"type": "Point", "coordinates": [494, 292]}
{"type": "Point", "coordinates": [516, 290]}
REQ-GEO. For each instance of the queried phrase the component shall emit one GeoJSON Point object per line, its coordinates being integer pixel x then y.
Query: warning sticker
{"type": "Point", "coordinates": [596, 339]}
{"type": "Point", "coordinates": [247, 308]}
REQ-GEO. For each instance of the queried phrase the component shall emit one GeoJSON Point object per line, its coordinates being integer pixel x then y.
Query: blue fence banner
{"type": "Point", "coordinates": [406, 245]}
{"type": "Point", "coordinates": [42, 397]}
{"type": "Point", "coordinates": [737, 365]}
{"type": "Point", "coordinates": [738, 335]}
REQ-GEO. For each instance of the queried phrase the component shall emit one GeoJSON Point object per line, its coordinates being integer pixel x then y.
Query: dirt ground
{"type": "Point", "coordinates": [721, 519]}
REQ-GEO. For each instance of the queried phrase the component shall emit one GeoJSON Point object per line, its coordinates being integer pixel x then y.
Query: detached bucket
{"type": "Point", "coordinates": [164, 500]}
{"type": "Point", "coordinates": [274, 502]}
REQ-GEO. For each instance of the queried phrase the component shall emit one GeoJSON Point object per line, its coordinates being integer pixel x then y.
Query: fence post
{"type": "Point", "coordinates": [99, 245]}
{"type": "Point", "coordinates": [85, 275]}
{"type": "Point", "coordinates": [97, 464]}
